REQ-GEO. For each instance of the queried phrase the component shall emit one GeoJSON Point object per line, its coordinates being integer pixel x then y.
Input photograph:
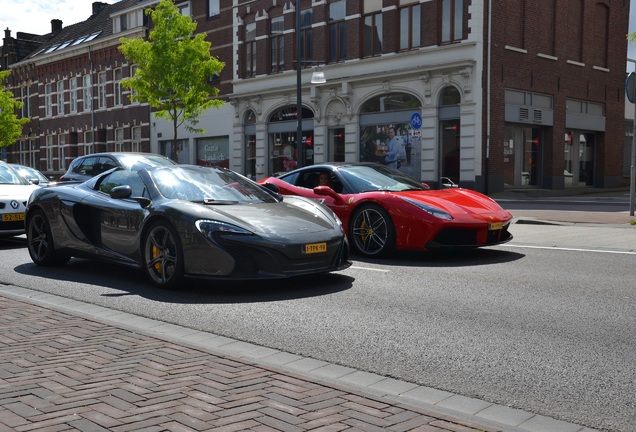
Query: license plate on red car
{"type": "Point", "coordinates": [313, 248]}
{"type": "Point", "coordinates": [495, 226]}
{"type": "Point", "coordinates": [12, 217]}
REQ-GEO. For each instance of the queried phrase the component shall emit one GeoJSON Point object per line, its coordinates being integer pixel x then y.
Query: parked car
{"type": "Point", "coordinates": [85, 167]}
{"type": "Point", "coordinates": [15, 190]}
{"type": "Point", "coordinates": [383, 209]}
{"type": "Point", "coordinates": [31, 174]}
{"type": "Point", "coordinates": [185, 221]}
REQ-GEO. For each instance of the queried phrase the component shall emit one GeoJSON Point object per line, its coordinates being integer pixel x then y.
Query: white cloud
{"type": "Point", "coordinates": [34, 16]}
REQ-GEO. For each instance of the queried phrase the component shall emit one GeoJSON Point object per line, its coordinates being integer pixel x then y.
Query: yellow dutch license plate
{"type": "Point", "coordinates": [315, 248]}
{"type": "Point", "coordinates": [12, 217]}
{"type": "Point", "coordinates": [495, 226]}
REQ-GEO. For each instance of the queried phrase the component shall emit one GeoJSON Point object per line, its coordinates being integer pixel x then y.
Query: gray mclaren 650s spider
{"type": "Point", "coordinates": [185, 221]}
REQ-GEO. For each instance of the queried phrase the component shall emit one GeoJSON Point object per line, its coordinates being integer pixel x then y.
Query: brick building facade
{"type": "Point", "coordinates": [537, 102]}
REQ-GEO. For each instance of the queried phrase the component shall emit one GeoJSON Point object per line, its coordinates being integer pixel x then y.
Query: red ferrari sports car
{"type": "Point", "coordinates": [383, 210]}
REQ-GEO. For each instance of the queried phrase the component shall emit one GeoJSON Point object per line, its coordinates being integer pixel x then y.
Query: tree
{"type": "Point", "coordinates": [173, 69]}
{"type": "Point", "coordinates": [10, 124]}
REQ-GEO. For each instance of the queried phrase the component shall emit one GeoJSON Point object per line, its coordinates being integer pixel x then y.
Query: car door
{"type": "Point", "coordinates": [116, 222]}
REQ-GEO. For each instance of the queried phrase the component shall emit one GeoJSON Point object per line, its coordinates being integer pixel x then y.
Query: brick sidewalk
{"type": "Point", "coordinates": [60, 372]}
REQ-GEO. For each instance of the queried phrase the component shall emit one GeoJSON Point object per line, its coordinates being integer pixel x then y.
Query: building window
{"type": "Point", "coordinates": [451, 20]}
{"type": "Point", "coordinates": [117, 86]}
{"type": "Point", "coordinates": [119, 139]}
{"type": "Point", "coordinates": [26, 101]}
{"type": "Point", "coordinates": [337, 32]}
{"type": "Point", "coordinates": [184, 9]}
{"type": "Point", "coordinates": [88, 142]}
{"type": "Point", "coordinates": [72, 83]}
{"type": "Point", "coordinates": [48, 103]}
{"type": "Point", "coordinates": [87, 93]}
{"type": "Point", "coordinates": [410, 27]}
{"type": "Point", "coordinates": [372, 35]}
{"type": "Point", "coordinates": [306, 35]}
{"type": "Point", "coordinates": [49, 152]}
{"type": "Point", "coordinates": [61, 146]}
{"type": "Point", "coordinates": [123, 22]}
{"type": "Point", "coordinates": [250, 50]}
{"type": "Point", "coordinates": [101, 89]}
{"type": "Point", "coordinates": [214, 9]}
{"type": "Point", "coordinates": [136, 139]}
{"type": "Point", "coordinates": [60, 97]}
{"type": "Point", "coordinates": [277, 41]}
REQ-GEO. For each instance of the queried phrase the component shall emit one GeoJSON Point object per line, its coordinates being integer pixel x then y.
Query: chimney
{"type": "Point", "coordinates": [56, 25]}
{"type": "Point", "coordinates": [98, 6]}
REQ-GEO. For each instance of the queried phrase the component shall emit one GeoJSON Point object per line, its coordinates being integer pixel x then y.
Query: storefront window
{"type": "Point", "coordinates": [386, 135]}
{"type": "Point", "coordinates": [579, 158]}
{"type": "Point", "coordinates": [522, 150]}
{"type": "Point", "coordinates": [178, 152]}
{"type": "Point", "coordinates": [213, 151]}
{"type": "Point", "coordinates": [283, 131]}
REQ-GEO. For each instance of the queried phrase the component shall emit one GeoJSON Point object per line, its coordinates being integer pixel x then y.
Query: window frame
{"type": "Point", "coordinates": [413, 29]}
{"type": "Point", "coordinates": [337, 32]}
{"type": "Point", "coordinates": [277, 43]}
{"type": "Point", "coordinates": [448, 24]}
{"type": "Point", "coordinates": [249, 50]}
{"type": "Point", "coordinates": [371, 48]}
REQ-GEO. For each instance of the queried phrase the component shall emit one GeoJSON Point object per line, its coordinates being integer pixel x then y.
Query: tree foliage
{"type": "Point", "coordinates": [173, 69]}
{"type": "Point", "coordinates": [10, 124]}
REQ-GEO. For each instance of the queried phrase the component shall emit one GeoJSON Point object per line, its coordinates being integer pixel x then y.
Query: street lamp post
{"type": "Point", "coordinates": [317, 77]}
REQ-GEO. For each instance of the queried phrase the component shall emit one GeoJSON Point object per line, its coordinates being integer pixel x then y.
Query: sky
{"type": "Point", "coordinates": [34, 16]}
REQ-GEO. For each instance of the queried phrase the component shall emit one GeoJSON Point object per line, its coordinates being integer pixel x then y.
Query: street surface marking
{"type": "Point", "coordinates": [369, 268]}
{"type": "Point", "coordinates": [572, 249]}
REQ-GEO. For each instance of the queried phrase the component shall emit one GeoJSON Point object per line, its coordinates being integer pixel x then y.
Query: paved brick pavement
{"type": "Point", "coordinates": [63, 372]}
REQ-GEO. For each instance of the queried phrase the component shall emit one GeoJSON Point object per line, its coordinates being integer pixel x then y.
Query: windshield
{"type": "Point", "coordinates": [10, 176]}
{"type": "Point", "coordinates": [136, 162]}
{"type": "Point", "coordinates": [209, 185]}
{"type": "Point", "coordinates": [371, 178]}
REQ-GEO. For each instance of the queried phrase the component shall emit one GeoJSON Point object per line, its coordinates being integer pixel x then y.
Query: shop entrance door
{"type": "Point", "coordinates": [579, 159]}
{"type": "Point", "coordinates": [522, 152]}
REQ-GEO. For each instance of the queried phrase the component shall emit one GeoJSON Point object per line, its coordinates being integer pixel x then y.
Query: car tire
{"type": "Point", "coordinates": [40, 241]}
{"type": "Point", "coordinates": [372, 233]}
{"type": "Point", "coordinates": [163, 256]}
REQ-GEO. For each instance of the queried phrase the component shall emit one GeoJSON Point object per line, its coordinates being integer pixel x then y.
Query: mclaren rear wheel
{"type": "Point", "coordinates": [163, 256]}
{"type": "Point", "coordinates": [372, 232]}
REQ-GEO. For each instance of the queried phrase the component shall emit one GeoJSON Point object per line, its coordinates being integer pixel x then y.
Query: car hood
{"type": "Point", "coordinates": [459, 202]}
{"type": "Point", "coordinates": [17, 192]}
{"type": "Point", "coordinates": [267, 219]}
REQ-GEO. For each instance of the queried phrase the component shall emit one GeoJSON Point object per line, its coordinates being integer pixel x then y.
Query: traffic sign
{"type": "Point", "coordinates": [416, 120]}
{"type": "Point", "coordinates": [630, 87]}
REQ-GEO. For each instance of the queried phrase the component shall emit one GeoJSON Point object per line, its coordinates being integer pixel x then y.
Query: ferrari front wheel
{"type": "Point", "coordinates": [372, 232]}
{"type": "Point", "coordinates": [40, 241]}
{"type": "Point", "coordinates": [163, 257]}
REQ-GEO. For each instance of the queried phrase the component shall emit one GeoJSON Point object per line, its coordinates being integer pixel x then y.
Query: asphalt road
{"type": "Point", "coordinates": [537, 326]}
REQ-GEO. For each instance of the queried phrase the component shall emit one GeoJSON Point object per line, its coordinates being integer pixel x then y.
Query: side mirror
{"type": "Point", "coordinates": [121, 192]}
{"type": "Point", "coordinates": [327, 191]}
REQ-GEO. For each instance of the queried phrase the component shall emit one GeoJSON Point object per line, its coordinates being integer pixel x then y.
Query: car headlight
{"type": "Point", "coordinates": [210, 228]}
{"type": "Point", "coordinates": [434, 211]}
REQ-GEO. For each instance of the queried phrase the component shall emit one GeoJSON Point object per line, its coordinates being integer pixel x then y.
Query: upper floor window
{"type": "Point", "coordinates": [277, 43]}
{"type": "Point", "coordinates": [337, 31]}
{"type": "Point", "coordinates": [410, 27]}
{"type": "Point", "coordinates": [306, 35]}
{"type": "Point", "coordinates": [26, 101]}
{"type": "Point", "coordinates": [117, 86]}
{"type": "Point", "coordinates": [72, 84]}
{"type": "Point", "coordinates": [60, 97]}
{"type": "Point", "coordinates": [184, 9]}
{"type": "Point", "coordinates": [250, 50]}
{"type": "Point", "coordinates": [372, 35]}
{"type": "Point", "coordinates": [87, 93]}
{"type": "Point", "coordinates": [214, 9]}
{"type": "Point", "coordinates": [101, 89]}
{"type": "Point", "coordinates": [451, 20]}
{"type": "Point", "coordinates": [48, 100]}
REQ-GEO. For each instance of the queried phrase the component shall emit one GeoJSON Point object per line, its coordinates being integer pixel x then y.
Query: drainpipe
{"type": "Point", "coordinates": [488, 95]}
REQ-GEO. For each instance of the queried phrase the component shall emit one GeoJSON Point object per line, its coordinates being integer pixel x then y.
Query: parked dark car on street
{"type": "Point", "coordinates": [86, 167]}
{"type": "Point", "coordinates": [185, 221]}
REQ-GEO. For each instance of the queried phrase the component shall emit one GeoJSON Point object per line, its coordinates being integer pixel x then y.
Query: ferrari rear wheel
{"type": "Point", "coordinates": [372, 232]}
{"type": "Point", "coordinates": [40, 241]}
{"type": "Point", "coordinates": [163, 257]}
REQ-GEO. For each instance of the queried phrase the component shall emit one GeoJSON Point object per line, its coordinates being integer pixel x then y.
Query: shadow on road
{"type": "Point", "coordinates": [121, 281]}
{"type": "Point", "coordinates": [456, 258]}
